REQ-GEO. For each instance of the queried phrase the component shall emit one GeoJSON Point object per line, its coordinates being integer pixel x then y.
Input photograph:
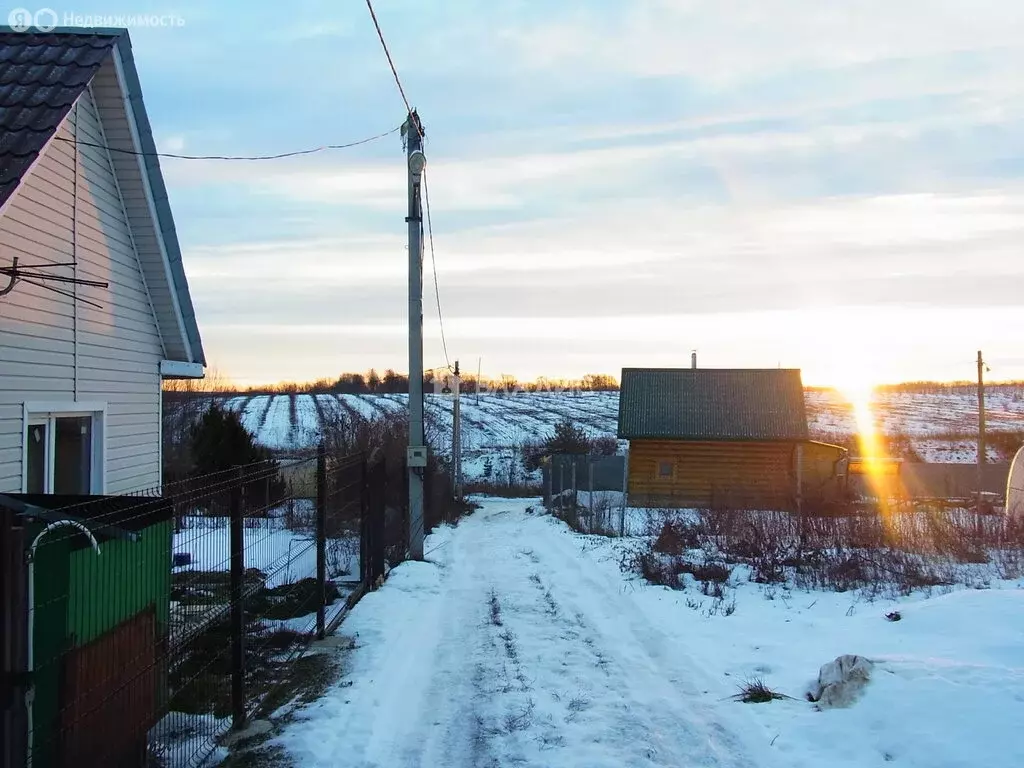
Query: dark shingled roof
{"type": "Point", "coordinates": [41, 76]}
{"type": "Point", "coordinates": [712, 404]}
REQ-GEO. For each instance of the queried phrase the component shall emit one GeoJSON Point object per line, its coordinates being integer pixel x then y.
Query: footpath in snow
{"type": "Point", "coordinates": [507, 649]}
{"type": "Point", "coordinates": [521, 643]}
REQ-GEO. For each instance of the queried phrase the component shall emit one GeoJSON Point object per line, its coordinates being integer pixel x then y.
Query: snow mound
{"type": "Point", "coordinates": [840, 682]}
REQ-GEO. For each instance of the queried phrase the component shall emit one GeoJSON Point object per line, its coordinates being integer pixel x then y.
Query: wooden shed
{"type": "Point", "coordinates": [713, 437]}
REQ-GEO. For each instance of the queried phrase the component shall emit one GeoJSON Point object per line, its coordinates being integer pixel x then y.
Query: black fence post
{"type": "Point", "coordinates": [404, 496]}
{"type": "Point", "coordinates": [14, 613]}
{"type": "Point", "coordinates": [237, 603]}
{"type": "Point", "coordinates": [379, 522]}
{"type": "Point", "coordinates": [575, 501]}
{"type": "Point", "coordinates": [548, 472]}
{"type": "Point", "coordinates": [321, 541]}
{"type": "Point", "coordinates": [364, 524]}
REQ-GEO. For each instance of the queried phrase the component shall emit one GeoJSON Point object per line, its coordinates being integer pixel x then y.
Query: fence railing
{"type": "Point", "coordinates": [588, 492]}
{"type": "Point", "coordinates": [156, 622]}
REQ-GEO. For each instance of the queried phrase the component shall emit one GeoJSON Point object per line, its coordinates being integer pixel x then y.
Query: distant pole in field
{"type": "Point", "coordinates": [416, 459]}
{"type": "Point", "coordinates": [981, 424]}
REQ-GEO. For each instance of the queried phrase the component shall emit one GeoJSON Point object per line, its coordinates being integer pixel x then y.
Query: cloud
{"type": "Point", "coordinates": [608, 180]}
{"type": "Point", "coordinates": [726, 40]}
{"type": "Point", "coordinates": [895, 251]}
{"type": "Point", "coordinates": [173, 143]}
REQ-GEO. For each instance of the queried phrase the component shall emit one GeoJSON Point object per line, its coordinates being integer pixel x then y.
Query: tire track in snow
{"type": "Point", "coordinates": [510, 648]}
{"type": "Point", "coordinates": [574, 706]}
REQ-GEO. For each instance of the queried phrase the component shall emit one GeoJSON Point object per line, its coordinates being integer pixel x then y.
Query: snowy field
{"type": "Point", "coordinates": [522, 643]}
{"type": "Point", "coordinates": [940, 426]}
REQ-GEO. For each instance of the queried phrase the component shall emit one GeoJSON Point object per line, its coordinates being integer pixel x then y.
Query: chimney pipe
{"type": "Point", "coordinates": [693, 359]}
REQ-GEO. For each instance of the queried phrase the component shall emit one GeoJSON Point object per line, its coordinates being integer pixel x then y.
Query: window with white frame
{"type": "Point", "coordinates": [63, 451]}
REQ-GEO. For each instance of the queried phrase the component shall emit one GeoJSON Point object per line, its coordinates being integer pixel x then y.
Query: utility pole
{"type": "Point", "coordinates": [981, 424]}
{"type": "Point", "coordinates": [457, 436]}
{"type": "Point", "coordinates": [416, 458]}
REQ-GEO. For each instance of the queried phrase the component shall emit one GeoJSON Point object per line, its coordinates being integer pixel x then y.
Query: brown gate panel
{"type": "Point", "coordinates": [109, 696]}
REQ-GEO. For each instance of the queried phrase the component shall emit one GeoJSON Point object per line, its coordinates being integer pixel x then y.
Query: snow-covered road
{"type": "Point", "coordinates": [507, 649]}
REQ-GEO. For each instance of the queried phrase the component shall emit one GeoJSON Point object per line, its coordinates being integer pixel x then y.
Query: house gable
{"type": "Point", "coordinates": [47, 73]}
{"type": "Point", "coordinates": [89, 213]}
{"type": "Point", "coordinates": [59, 349]}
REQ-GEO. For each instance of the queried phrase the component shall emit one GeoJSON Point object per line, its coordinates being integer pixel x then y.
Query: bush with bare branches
{"type": "Point", "coordinates": [878, 554]}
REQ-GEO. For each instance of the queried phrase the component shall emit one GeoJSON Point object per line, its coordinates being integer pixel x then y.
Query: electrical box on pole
{"type": "Point", "coordinates": [416, 457]}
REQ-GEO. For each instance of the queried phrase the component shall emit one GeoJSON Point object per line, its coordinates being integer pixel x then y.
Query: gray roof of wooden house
{"type": "Point", "coordinates": [712, 404]}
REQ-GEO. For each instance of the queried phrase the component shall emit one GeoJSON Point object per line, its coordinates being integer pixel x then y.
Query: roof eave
{"type": "Point", "coordinates": [188, 327]}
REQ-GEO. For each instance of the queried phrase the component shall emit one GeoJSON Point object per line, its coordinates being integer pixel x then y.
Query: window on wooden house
{"type": "Point", "coordinates": [63, 453]}
{"type": "Point", "coordinates": [666, 470]}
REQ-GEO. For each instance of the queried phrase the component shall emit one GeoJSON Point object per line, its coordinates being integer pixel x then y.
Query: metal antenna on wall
{"type": "Point", "coordinates": [33, 275]}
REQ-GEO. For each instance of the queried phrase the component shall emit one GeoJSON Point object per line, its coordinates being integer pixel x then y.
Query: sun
{"type": "Point", "coordinates": [859, 393]}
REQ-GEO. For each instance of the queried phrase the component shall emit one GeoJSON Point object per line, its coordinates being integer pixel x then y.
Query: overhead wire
{"type": "Point", "coordinates": [278, 156]}
{"type": "Point", "coordinates": [433, 264]}
{"type": "Point", "coordinates": [414, 122]}
{"type": "Point", "coordinates": [391, 63]}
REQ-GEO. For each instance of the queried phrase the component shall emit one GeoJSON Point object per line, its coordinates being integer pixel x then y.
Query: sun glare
{"type": "Point", "coordinates": [858, 394]}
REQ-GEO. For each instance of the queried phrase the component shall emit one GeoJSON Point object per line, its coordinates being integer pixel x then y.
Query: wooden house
{"type": "Point", "coordinates": [734, 438]}
{"type": "Point", "coordinates": [95, 313]}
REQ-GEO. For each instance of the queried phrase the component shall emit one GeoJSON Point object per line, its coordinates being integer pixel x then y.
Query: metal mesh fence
{"type": "Point", "coordinates": [588, 492]}
{"type": "Point", "coordinates": [156, 622]}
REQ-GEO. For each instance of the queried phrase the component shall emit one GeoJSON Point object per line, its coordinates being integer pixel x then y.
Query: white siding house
{"type": "Point", "coordinates": [81, 364]}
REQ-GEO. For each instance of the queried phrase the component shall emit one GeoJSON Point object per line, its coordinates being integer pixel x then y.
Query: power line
{"type": "Point", "coordinates": [280, 155]}
{"type": "Point", "coordinates": [433, 264]}
{"type": "Point", "coordinates": [391, 63]}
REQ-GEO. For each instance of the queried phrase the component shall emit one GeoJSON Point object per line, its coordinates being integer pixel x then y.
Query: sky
{"type": "Point", "coordinates": [831, 186]}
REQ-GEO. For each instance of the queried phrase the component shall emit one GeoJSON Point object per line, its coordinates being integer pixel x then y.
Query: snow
{"type": "Point", "coordinates": [520, 642]}
{"type": "Point", "coordinates": [182, 738]}
{"type": "Point", "coordinates": [952, 451]}
{"type": "Point", "coordinates": [283, 555]}
{"type": "Point", "coordinates": [276, 430]}
{"type": "Point", "coordinates": [306, 624]}
{"type": "Point", "coordinates": [359, 406]}
{"type": "Point", "coordinates": [507, 648]}
{"type": "Point", "coordinates": [253, 413]}
{"type": "Point", "coordinates": [947, 688]}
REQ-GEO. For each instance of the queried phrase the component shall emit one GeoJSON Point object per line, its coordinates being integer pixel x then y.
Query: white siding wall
{"type": "Point", "coordinates": [52, 348]}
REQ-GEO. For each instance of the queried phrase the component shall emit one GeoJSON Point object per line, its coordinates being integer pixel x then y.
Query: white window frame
{"type": "Point", "coordinates": [47, 411]}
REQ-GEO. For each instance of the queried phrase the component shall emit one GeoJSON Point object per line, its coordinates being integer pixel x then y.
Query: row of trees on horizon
{"type": "Point", "coordinates": [391, 382]}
